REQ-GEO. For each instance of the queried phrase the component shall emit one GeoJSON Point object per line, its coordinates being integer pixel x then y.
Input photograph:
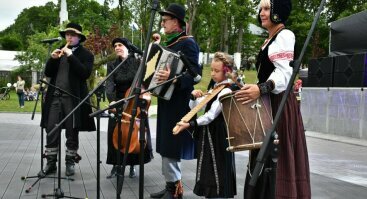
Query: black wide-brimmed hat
{"type": "Point", "coordinates": [175, 10]}
{"type": "Point", "coordinates": [75, 28]}
{"type": "Point", "coordinates": [279, 11]}
{"type": "Point", "coordinates": [122, 40]}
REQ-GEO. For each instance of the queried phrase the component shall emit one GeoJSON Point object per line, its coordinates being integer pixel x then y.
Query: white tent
{"type": "Point", "coordinates": [7, 61]}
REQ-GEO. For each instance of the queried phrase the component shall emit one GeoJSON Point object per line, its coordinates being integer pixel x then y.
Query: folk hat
{"type": "Point", "coordinates": [75, 28]}
{"type": "Point", "coordinates": [175, 10]}
{"type": "Point", "coordinates": [122, 40]}
{"type": "Point", "coordinates": [279, 11]}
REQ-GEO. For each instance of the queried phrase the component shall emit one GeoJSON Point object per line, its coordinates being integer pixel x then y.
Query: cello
{"type": "Point", "coordinates": [125, 124]}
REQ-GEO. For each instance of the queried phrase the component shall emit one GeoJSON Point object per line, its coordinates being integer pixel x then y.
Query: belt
{"type": "Point", "coordinates": [57, 93]}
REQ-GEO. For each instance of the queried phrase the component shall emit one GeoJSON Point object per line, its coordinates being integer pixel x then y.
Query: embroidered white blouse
{"type": "Point", "coordinates": [280, 53]}
{"type": "Point", "coordinates": [214, 110]}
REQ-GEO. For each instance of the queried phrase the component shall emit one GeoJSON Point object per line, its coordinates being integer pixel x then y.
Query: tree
{"type": "Point", "coordinates": [11, 42]}
{"type": "Point", "coordinates": [33, 20]}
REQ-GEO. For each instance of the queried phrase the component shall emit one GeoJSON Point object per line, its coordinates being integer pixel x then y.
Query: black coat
{"type": "Point", "coordinates": [81, 65]}
{"type": "Point", "coordinates": [181, 146]}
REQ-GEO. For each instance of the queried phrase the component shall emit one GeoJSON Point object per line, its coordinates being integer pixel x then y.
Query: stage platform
{"type": "Point", "coordinates": [338, 169]}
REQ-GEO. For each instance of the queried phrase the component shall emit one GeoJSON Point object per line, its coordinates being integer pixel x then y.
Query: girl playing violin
{"type": "Point", "coordinates": [215, 175]}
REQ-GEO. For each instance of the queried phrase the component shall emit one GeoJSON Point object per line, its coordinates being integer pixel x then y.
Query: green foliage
{"type": "Point", "coordinates": [33, 20]}
{"type": "Point", "coordinates": [11, 42]}
{"type": "Point", "coordinates": [217, 25]}
{"type": "Point", "coordinates": [36, 54]}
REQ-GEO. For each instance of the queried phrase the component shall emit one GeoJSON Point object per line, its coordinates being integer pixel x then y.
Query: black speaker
{"type": "Point", "coordinates": [350, 70]}
{"type": "Point", "coordinates": [320, 72]}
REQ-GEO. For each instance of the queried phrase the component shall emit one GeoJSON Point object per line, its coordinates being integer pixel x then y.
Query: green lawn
{"type": "Point", "coordinates": [12, 104]}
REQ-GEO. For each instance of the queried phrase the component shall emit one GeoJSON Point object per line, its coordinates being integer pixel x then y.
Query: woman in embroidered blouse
{"type": "Point", "coordinates": [215, 176]}
{"type": "Point", "coordinates": [292, 179]}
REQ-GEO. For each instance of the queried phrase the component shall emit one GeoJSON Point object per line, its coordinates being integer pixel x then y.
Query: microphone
{"type": "Point", "coordinates": [188, 67]}
{"type": "Point", "coordinates": [52, 40]}
{"type": "Point", "coordinates": [134, 48]}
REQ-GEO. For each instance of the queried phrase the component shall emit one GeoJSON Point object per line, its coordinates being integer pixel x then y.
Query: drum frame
{"type": "Point", "coordinates": [261, 102]}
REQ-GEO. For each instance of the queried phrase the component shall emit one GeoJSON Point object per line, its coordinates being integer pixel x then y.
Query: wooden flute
{"type": "Point", "coordinates": [62, 52]}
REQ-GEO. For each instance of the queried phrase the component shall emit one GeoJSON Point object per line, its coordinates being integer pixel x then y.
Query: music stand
{"type": "Point", "coordinates": [269, 146]}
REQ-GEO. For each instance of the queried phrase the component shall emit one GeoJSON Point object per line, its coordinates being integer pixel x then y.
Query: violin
{"type": "Point", "coordinates": [125, 124]}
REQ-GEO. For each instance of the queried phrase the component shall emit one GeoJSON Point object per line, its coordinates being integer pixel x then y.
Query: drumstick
{"type": "Point", "coordinates": [62, 52]}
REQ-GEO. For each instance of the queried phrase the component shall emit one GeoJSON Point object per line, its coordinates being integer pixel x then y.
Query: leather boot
{"type": "Point", "coordinates": [70, 165]}
{"type": "Point", "coordinates": [70, 159]}
{"type": "Point", "coordinates": [132, 173]}
{"type": "Point", "coordinates": [113, 172]}
{"type": "Point", "coordinates": [50, 166]}
{"type": "Point", "coordinates": [51, 157]}
{"type": "Point", "coordinates": [174, 190]}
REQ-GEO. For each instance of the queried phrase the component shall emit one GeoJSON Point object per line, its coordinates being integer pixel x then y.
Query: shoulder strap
{"type": "Point", "coordinates": [180, 39]}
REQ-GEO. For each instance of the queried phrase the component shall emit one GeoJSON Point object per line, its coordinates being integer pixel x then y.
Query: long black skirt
{"type": "Point", "coordinates": [292, 176]}
{"type": "Point", "coordinates": [216, 174]}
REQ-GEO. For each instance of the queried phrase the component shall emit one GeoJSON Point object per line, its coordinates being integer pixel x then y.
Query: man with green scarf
{"type": "Point", "coordinates": [171, 147]}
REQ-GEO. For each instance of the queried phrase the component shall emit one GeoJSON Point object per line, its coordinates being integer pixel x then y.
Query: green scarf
{"type": "Point", "coordinates": [170, 37]}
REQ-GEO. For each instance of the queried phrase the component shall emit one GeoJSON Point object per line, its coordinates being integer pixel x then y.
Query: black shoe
{"type": "Point", "coordinates": [70, 169]}
{"type": "Point", "coordinates": [132, 173]}
{"type": "Point", "coordinates": [49, 169]}
{"type": "Point", "coordinates": [113, 172]}
{"type": "Point", "coordinates": [158, 194]}
{"type": "Point", "coordinates": [168, 195]}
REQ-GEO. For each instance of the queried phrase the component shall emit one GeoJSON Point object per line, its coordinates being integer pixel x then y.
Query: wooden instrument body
{"type": "Point", "coordinates": [125, 124]}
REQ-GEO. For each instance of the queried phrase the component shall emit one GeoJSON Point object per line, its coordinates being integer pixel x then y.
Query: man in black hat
{"type": "Point", "coordinates": [68, 68]}
{"type": "Point", "coordinates": [171, 147]}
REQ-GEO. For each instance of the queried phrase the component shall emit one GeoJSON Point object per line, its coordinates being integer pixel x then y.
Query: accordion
{"type": "Point", "coordinates": [158, 58]}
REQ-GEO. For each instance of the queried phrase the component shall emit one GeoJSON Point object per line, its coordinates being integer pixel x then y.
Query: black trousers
{"type": "Point", "coordinates": [60, 107]}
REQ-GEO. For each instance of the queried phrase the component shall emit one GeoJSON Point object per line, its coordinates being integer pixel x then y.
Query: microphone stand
{"type": "Point", "coordinates": [58, 193]}
{"type": "Point", "coordinates": [40, 90]}
{"type": "Point", "coordinates": [69, 94]}
{"type": "Point", "coordinates": [269, 147]}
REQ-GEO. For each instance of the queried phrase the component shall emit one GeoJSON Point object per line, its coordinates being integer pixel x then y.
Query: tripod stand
{"type": "Point", "coordinates": [269, 144]}
{"type": "Point", "coordinates": [64, 99]}
{"type": "Point", "coordinates": [40, 90]}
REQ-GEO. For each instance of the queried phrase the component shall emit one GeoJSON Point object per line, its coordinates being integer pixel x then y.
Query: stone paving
{"type": "Point", "coordinates": [338, 165]}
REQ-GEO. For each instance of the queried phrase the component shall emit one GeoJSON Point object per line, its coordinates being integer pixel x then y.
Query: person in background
{"type": "Point", "coordinates": [215, 170]}
{"type": "Point", "coordinates": [116, 88]}
{"type": "Point", "coordinates": [174, 148]}
{"type": "Point", "coordinates": [292, 175]}
{"type": "Point", "coordinates": [20, 91]}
